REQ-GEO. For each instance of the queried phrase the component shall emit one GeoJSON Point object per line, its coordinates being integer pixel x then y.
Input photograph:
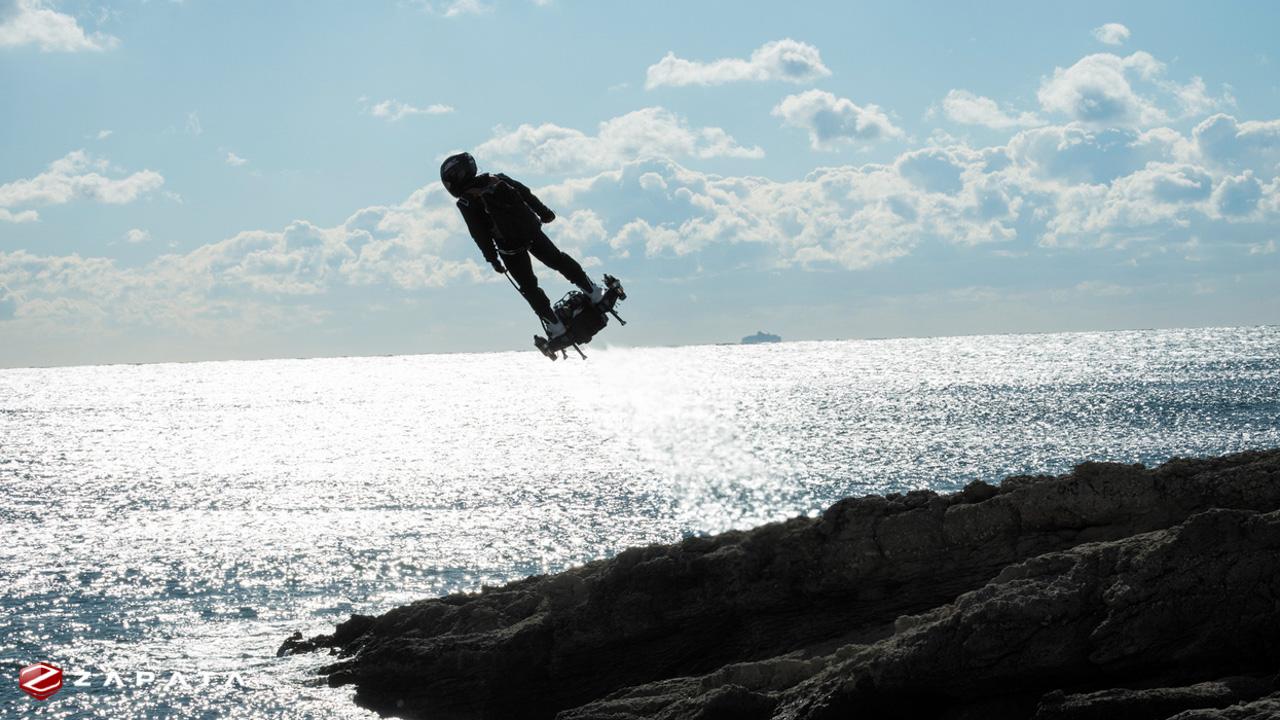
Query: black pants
{"type": "Point", "coordinates": [521, 268]}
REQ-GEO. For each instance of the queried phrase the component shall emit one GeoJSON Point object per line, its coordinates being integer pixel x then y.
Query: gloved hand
{"type": "Point", "coordinates": [497, 265]}
{"type": "Point", "coordinates": [548, 217]}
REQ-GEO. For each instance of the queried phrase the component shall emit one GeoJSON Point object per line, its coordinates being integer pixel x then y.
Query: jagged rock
{"type": "Point", "coordinates": [1267, 708]}
{"type": "Point", "coordinates": [1193, 602]}
{"type": "Point", "coordinates": [1151, 703]}
{"type": "Point", "coordinates": [803, 588]}
{"type": "Point", "coordinates": [1184, 604]}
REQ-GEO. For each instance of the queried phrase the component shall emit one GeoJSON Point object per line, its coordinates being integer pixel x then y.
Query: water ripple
{"type": "Point", "coordinates": [189, 516]}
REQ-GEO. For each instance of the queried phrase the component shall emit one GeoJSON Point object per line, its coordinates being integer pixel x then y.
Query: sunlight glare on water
{"type": "Point", "coordinates": [190, 516]}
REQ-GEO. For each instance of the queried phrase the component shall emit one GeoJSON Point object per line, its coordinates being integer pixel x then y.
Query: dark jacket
{"type": "Point", "coordinates": [504, 216]}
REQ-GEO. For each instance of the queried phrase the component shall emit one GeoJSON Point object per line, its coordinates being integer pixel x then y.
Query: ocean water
{"type": "Point", "coordinates": [166, 526]}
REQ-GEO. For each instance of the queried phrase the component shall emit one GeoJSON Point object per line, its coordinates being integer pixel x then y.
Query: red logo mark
{"type": "Point", "coordinates": [40, 680]}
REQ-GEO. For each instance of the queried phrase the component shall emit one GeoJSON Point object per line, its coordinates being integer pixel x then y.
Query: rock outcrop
{"type": "Point", "coordinates": [1113, 591]}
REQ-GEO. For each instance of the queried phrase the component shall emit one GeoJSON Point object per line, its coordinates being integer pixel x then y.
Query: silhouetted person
{"type": "Point", "coordinates": [505, 218]}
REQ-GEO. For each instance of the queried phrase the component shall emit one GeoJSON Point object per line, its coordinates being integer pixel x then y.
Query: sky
{"type": "Point", "coordinates": [233, 180]}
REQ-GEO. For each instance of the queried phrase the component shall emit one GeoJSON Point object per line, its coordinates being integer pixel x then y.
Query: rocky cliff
{"type": "Point", "coordinates": [1113, 591]}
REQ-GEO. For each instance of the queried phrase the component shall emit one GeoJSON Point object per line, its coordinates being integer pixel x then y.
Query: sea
{"type": "Point", "coordinates": [166, 526]}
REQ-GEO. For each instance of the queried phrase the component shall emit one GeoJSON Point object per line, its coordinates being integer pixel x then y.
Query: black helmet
{"type": "Point", "coordinates": [457, 172]}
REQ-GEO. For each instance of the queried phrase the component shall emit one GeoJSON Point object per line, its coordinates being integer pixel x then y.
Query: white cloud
{"type": "Point", "coordinates": [78, 176]}
{"type": "Point", "coordinates": [577, 232]}
{"type": "Point", "coordinates": [832, 121]}
{"type": "Point", "coordinates": [1079, 153]}
{"type": "Point", "coordinates": [1161, 196]}
{"type": "Point", "coordinates": [849, 217]}
{"type": "Point", "coordinates": [1063, 186]}
{"type": "Point", "coordinates": [18, 217]}
{"type": "Point", "coordinates": [465, 7]}
{"type": "Point", "coordinates": [104, 134]}
{"type": "Point", "coordinates": [1097, 288]}
{"type": "Point", "coordinates": [1030, 191]}
{"type": "Point", "coordinates": [932, 169]}
{"type": "Point", "coordinates": [393, 110]}
{"type": "Point", "coordinates": [137, 235]}
{"type": "Point", "coordinates": [852, 217]}
{"type": "Point", "coordinates": [1226, 142]}
{"type": "Point", "coordinates": [1107, 90]}
{"type": "Point", "coordinates": [72, 295]}
{"type": "Point", "coordinates": [252, 278]}
{"type": "Point", "coordinates": [649, 132]}
{"type": "Point", "coordinates": [1237, 196]}
{"type": "Point", "coordinates": [235, 160]}
{"type": "Point", "coordinates": [1194, 99]}
{"type": "Point", "coordinates": [451, 8]}
{"type": "Point", "coordinates": [8, 303]}
{"type": "Point", "coordinates": [966, 108]}
{"type": "Point", "coordinates": [33, 22]}
{"type": "Point", "coordinates": [1102, 176]}
{"type": "Point", "coordinates": [193, 126]}
{"type": "Point", "coordinates": [580, 229]}
{"type": "Point", "coordinates": [1111, 34]}
{"type": "Point", "coordinates": [787, 60]}
{"type": "Point", "coordinates": [1097, 89]}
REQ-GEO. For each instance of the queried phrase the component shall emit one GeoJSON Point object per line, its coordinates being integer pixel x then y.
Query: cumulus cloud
{"type": "Point", "coordinates": [1167, 195]}
{"type": "Point", "coordinates": [1097, 89]}
{"type": "Point", "coordinates": [966, 108]}
{"type": "Point", "coordinates": [1108, 90]}
{"type": "Point", "coordinates": [77, 176]}
{"type": "Point", "coordinates": [649, 132]}
{"type": "Point", "coordinates": [137, 235]}
{"type": "Point", "coordinates": [1226, 142]}
{"type": "Point", "coordinates": [1111, 34]}
{"type": "Point", "coordinates": [33, 22]}
{"type": "Point", "coordinates": [1237, 196]}
{"type": "Point", "coordinates": [234, 160]}
{"type": "Point", "coordinates": [1059, 186]}
{"type": "Point", "coordinates": [852, 216]}
{"type": "Point", "coordinates": [69, 295]}
{"type": "Point", "coordinates": [1062, 186]}
{"type": "Point", "coordinates": [1116, 186]}
{"type": "Point", "coordinates": [932, 169]}
{"type": "Point", "coordinates": [1080, 153]}
{"type": "Point", "coordinates": [1105, 173]}
{"type": "Point", "coordinates": [787, 60]}
{"type": "Point", "coordinates": [250, 277]}
{"type": "Point", "coordinates": [1193, 97]}
{"type": "Point", "coordinates": [686, 212]}
{"type": "Point", "coordinates": [394, 110]}
{"type": "Point", "coordinates": [832, 121]}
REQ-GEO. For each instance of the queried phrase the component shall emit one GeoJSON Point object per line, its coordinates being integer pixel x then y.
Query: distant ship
{"type": "Point", "coordinates": [760, 337]}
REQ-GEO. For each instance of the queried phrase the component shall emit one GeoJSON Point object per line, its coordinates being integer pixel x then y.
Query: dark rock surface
{"type": "Point", "coordinates": [1113, 591]}
{"type": "Point", "coordinates": [1154, 703]}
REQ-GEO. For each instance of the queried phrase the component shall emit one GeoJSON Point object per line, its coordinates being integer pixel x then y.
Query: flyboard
{"type": "Point", "coordinates": [582, 319]}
